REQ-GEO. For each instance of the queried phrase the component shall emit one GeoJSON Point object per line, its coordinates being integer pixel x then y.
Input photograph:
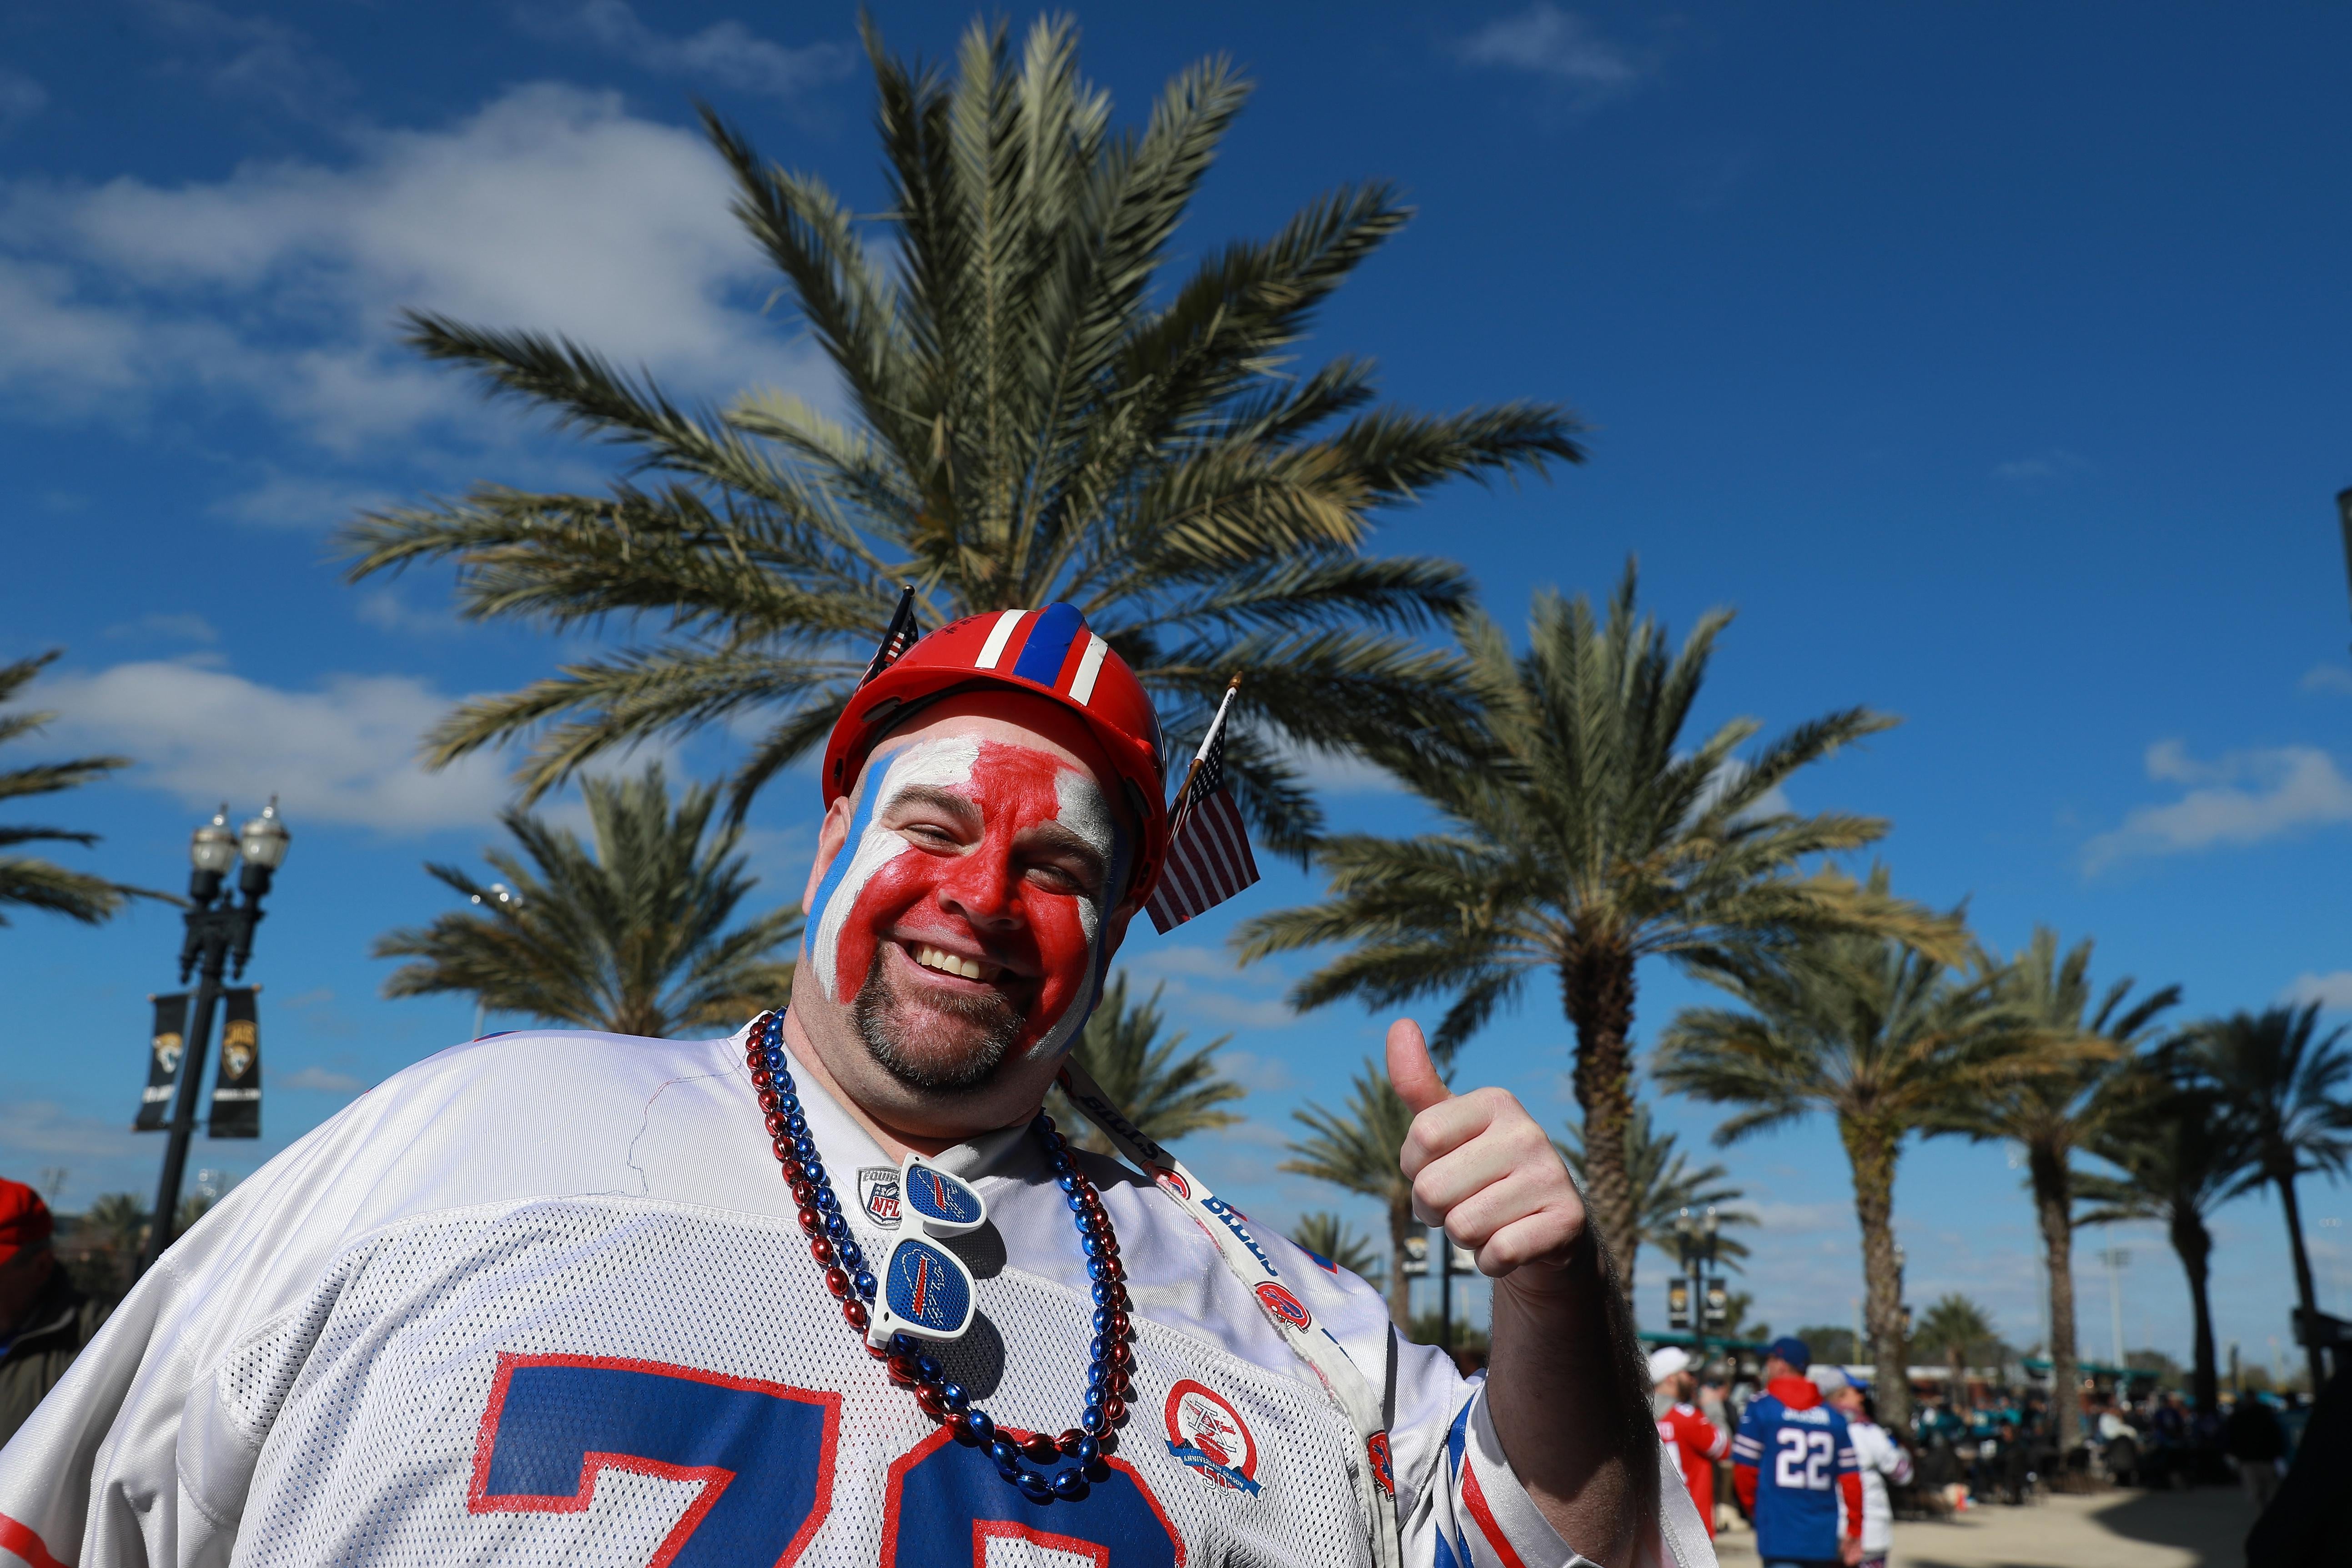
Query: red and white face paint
{"type": "Point", "coordinates": [984, 892]}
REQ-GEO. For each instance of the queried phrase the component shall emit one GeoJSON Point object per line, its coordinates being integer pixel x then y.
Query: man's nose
{"type": "Point", "coordinates": [985, 889]}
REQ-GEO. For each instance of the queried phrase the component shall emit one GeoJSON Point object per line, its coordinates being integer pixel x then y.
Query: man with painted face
{"type": "Point", "coordinates": [831, 1291]}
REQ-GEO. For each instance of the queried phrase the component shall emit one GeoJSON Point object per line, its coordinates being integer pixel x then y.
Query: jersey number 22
{"type": "Point", "coordinates": [1803, 1462]}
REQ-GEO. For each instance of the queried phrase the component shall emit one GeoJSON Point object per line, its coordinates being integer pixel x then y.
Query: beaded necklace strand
{"type": "Point", "coordinates": [1109, 1384]}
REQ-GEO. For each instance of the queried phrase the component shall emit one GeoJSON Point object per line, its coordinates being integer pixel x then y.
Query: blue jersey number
{"type": "Point", "coordinates": [946, 1503]}
{"type": "Point", "coordinates": [554, 1422]}
{"type": "Point", "coordinates": [764, 1454]}
{"type": "Point", "coordinates": [1802, 1464]}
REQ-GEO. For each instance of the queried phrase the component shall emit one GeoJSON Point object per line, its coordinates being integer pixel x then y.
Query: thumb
{"type": "Point", "coordinates": [1410, 1071]}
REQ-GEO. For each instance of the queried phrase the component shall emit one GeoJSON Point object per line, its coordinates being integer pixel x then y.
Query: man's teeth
{"type": "Point", "coordinates": [949, 963]}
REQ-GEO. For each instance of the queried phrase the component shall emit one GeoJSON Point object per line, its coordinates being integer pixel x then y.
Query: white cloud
{"type": "Point", "coordinates": [247, 56]}
{"type": "Point", "coordinates": [1547, 41]}
{"type": "Point", "coordinates": [550, 208]}
{"type": "Point", "coordinates": [1270, 1075]}
{"type": "Point", "coordinates": [1205, 982]}
{"type": "Point", "coordinates": [2332, 990]}
{"type": "Point", "coordinates": [2051, 465]}
{"type": "Point", "coordinates": [2328, 678]}
{"type": "Point", "coordinates": [725, 52]}
{"type": "Point", "coordinates": [319, 1080]}
{"type": "Point", "coordinates": [44, 1127]}
{"type": "Point", "coordinates": [1336, 772]}
{"type": "Point", "coordinates": [345, 753]}
{"type": "Point", "coordinates": [21, 97]}
{"type": "Point", "coordinates": [185, 625]}
{"type": "Point", "coordinates": [2243, 798]}
{"type": "Point", "coordinates": [385, 610]}
{"type": "Point", "coordinates": [296, 502]}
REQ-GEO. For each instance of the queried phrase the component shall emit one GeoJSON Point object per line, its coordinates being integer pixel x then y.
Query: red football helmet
{"type": "Point", "coordinates": [1049, 652]}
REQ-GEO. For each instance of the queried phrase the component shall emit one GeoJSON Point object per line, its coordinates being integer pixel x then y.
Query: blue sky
{"type": "Point", "coordinates": [1991, 362]}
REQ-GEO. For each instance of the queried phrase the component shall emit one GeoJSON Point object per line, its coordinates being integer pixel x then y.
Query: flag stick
{"type": "Point", "coordinates": [1184, 792]}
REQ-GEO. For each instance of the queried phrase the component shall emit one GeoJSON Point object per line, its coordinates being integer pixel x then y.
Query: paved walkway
{"type": "Point", "coordinates": [2201, 1528]}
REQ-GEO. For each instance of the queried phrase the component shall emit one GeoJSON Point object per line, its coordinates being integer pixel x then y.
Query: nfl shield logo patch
{"type": "Point", "coordinates": [877, 1195]}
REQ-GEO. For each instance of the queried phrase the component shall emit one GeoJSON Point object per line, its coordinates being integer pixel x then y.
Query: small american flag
{"type": "Point", "coordinates": [900, 636]}
{"type": "Point", "coordinates": [1209, 857]}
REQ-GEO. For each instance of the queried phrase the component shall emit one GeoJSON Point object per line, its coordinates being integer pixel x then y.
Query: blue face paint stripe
{"type": "Point", "coordinates": [869, 793]}
{"type": "Point", "coordinates": [1048, 648]}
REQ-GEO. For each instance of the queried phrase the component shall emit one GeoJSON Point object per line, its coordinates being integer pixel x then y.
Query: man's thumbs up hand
{"type": "Point", "coordinates": [1481, 1167]}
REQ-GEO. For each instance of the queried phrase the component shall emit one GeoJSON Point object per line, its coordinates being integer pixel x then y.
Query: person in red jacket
{"type": "Point", "coordinates": [1792, 1461]}
{"type": "Point", "coordinates": [1692, 1441]}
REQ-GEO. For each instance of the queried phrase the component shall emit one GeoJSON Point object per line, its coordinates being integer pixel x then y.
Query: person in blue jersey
{"type": "Point", "coordinates": [1790, 1462]}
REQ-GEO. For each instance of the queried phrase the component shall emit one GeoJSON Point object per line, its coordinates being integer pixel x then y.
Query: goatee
{"type": "Point", "coordinates": [941, 1044]}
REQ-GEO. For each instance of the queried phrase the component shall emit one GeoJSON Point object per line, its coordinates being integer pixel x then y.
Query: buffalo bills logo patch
{"type": "Point", "coordinates": [877, 1195]}
{"type": "Point", "coordinates": [1173, 1182]}
{"type": "Point", "coordinates": [1208, 1435]}
{"type": "Point", "coordinates": [1376, 1448]}
{"type": "Point", "coordinates": [1285, 1307]}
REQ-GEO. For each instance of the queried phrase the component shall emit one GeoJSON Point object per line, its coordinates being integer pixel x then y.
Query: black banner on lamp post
{"type": "Point", "coordinates": [165, 1051]}
{"type": "Point", "coordinates": [237, 1092]}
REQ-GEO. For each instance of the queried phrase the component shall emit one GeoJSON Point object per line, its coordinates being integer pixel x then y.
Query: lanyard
{"type": "Point", "coordinates": [1373, 1474]}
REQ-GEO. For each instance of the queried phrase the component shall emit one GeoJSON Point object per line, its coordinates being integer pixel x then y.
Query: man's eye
{"type": "Point", "coordinates": [1059, 879]}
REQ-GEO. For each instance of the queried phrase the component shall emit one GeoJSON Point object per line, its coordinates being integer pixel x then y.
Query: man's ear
{"type": "Point", "coordinates": [831, 835]}
{"type": "Point", "coordinates": [1114, 929]}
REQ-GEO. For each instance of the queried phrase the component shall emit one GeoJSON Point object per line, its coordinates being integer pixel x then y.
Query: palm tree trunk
{"type": "Point", "coordinates": [1401, 1225]}
{"type": "Point", "coordinates": [2194, 1243]}
{"type": "Point", "coordinates": [1871, 1148]}
{"type": "Point", "coordinates": [2302, 1286]}
{"type": "Point", "coordinates": [1596, 979]}
{"type": "Point", "coordinates": [2053, 1207]}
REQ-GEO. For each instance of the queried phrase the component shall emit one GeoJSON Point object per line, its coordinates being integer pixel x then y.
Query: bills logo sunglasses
{"type": "Point", "coordinates": [926, 1290]}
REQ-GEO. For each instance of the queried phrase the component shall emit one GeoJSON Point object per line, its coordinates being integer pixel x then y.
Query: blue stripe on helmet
{"type": "Point", "coordinates": [1048, 648]}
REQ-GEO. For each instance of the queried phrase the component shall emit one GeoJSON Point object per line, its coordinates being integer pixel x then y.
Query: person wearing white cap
{"type": "Point", "coordinates": [1692, 1441]}
{"type": "Point", "coordinates": [1877, 1456]}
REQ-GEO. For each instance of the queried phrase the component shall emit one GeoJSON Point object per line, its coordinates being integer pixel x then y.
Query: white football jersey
{"type": "Point", "coordinates": [543, 1299]}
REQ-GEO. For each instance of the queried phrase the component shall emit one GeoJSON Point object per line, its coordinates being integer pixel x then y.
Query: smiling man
{"type": "Point", "coordinates": [560, 1297]}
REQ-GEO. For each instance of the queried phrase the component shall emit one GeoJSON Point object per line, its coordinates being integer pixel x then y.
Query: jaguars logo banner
{"type": "Point", "coordinates": [167, 1044]}
{"type": "Point", "coordinates": [237, 1092]}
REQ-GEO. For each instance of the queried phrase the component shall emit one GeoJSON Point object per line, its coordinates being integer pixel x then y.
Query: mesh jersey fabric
{"type": "Point", "coordinates": [1800, 1457]}
{"type": "Point", "coordinates": [542, 1298]}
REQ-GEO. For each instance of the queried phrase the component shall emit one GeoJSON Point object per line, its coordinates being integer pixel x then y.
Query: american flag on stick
{"type": "Point", "coordinates": [902, 634]}
{"type": "Point", "coordinates": [1209, 855]}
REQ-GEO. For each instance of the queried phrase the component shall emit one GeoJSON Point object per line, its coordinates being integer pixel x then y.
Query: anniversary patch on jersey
{"type": "Point", "coordinates": [1285, 1306]}
{"type": "Point", "coordinates": [1206, 1433]}
{"type": "Point", "coordinates": [877, 1195]}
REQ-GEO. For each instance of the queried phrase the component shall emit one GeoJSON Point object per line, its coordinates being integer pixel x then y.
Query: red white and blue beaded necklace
{"type": "Point", "coordinates": [1076, 1454]}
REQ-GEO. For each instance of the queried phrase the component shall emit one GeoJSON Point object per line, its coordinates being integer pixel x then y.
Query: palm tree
{"type": "Point", "coordinates": [1360, 1150]}
{"type": "Point", "coordinates": [2180, 1151]}
{"type": "Point", "coordinates": [1165, 1095]}
{"type": "Point", "coordinates": [631, 936]}
{"type": "Point", "coordinates": [1591, 835]}
{"type": "Point", "coordinates": [1958, 1329]}
{"type": "Point", "coordinates": [29, 883]}
{"type": "Point", "coordinates": [1877, 1034]}
{"type": "Point", "coordinates": [2285, 1088]}
{"type": "Point", "coordinates": [1334, 1240]}
{"type": "Point", "coordinates": [1664, 1185]}
{"type": "Point", "coordinates": [1032, 415]}
{"type": "Point", "coordinates": [2080, 1038]}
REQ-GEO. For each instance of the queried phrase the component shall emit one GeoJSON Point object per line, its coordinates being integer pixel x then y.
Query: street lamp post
{"type": "Point", "coordinates": [218, 942]}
